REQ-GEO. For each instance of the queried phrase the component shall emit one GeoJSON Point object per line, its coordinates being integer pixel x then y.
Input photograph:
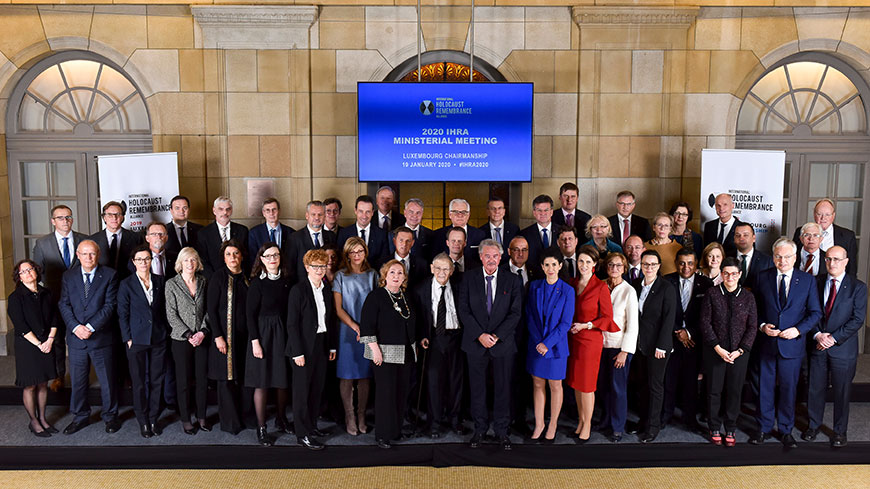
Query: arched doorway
{"type": "Point", "coordinates": [66, 110]}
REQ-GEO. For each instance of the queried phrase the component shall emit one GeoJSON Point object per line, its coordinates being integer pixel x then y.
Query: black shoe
{"type": "Point", "coordinates": [475, 440]}
{"type": "Point", "coordinates": [309, 443]}
{"type": "Point", "coordinates": [189, 429]}
{"type": "Point", "coordinates": [810, 434]}
{"type": "Point", "coordinates": [154, 429]}
{"type": "Point", "coordinates": [113, 425]}
{"type": "Point", "coordinates": [581, 441]}
{"type": "Point", "coordinates": [434, 433]}
{"type": "Point", "coordinates": [39, 434]}
{"type": "Point", "coordinates": [283, 426]}
{"type": "Point", "coordinates": [145, 431]}
{"type": "Point", "coordinates": [615, 437]}
{"type": "Point", "coordinates": [632, 429]}
{"type": "Point", "coordinates": [647, 437]}
{"type": "Point", "coordinates": [263, 437]}
{"type": "Point", "coordinates": [838, 441]}
{"type": "Point", "coordinates": [506, 443]}
{"type": "Point", "coordinates": [385, 444]}
{"type": "Point", "coordinates": [459, 429]}
{"type": "Point", "coordinates": [788, 441]}
{"type": "Point", "coordinates": [759, 437]}
{"type": "Point", "coordinates": [203, 425]}
{"type": "Point", "coordinates": [318, 433]}
{"type": "Point", "coordinates": [49, 428]}
{"type": "Point", "coordinates": [75, 426]}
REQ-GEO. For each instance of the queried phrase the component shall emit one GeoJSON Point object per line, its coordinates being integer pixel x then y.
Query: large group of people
{"type": "Point", "coordinates": [448, 325]}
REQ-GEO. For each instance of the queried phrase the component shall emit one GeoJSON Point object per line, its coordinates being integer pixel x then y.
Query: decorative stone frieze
{"type": "Point", "coordinates": [255, 26]}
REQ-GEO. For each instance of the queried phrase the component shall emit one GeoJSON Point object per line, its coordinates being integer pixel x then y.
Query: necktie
{"type": "Point", "coordinates": [415, 234]}
{"type": "Point", "coordinates": [225, 234]}
{"type": "Point", "coordinates": [87, 284]}
{"type": "Point", "coordinates": [316, 240]}
{"type": "Point", "coordinates": [685, 293]}
{"type": "Point", "coordinates": [489, 293]}
{"type": "Point", "coordinates": [158, 259]}
{"type": "Point", "coordinates": [808, 267]}
{"type": "Point", "coordinates": [572, 270]}
{"type": "Point", "coordinates": [183, 233]}
{"type": "Point", "coordinates": [67, 259]}
{"type": "Point", "coordinates": [497, 233]}
{"type": "Point", "coordinates": [544, 238]}
{"type": "Point", "coordinates": [362, 234]}
{"type": "Point", "coordinates": [404, 264]}
{"type": "Point", "coordinates": [441, 314]}
{"type": "Point", "coordinates": [626, 229]}
{"type": "Point", "coordinates": [782, 294]}
{"type": "Point", "coordinates": [743, 267]}
{"type": "Point", "coordinates": [457, 266]}
{"type": "Point", "coordinates": [522, 277]}
{"type": "Point", "coordinates": [633, 274]}
{"type": "Point", "coordinates": [386, 226]}
{"type": "Point", "coordinates": [721, 237]}
{"type": "Point", "coordinates": [831, 295]}
{"type": "Point", "coordinates": [113, 251]}
{"type": "Point", "coordinates": [273, 234]}
{"type": "Point", "coordinates": [569, 220]}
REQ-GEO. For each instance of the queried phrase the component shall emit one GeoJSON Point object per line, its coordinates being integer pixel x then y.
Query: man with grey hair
{"type": "Point", "coordinates": [388, 218]}
{"type": "Point", "coordinates": [423, 236]}
{"type": "Point", "coordinates": [811, 255]}
{"type": "Point", "coordinates": [824, 213]}
{"type": "Point", "coordinates": [490, 306]}
{"type": "Point", "coordinates": [312, 236]}
{"type": "Point", "coordinates": [788, 308]}
{"type": "Point", "coordinates": [459, 210]}
{"type": "Point", "coordinates": [215, 233]}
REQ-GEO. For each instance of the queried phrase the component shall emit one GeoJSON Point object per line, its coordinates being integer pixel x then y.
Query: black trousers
{"type": "Point", "coordinates": [146, 375]}
{"type": "Point", "coordinates": [445, 379]}
{"type": "Point", "coordinates": [392, 384]}
{"type": "Point", "coordinates": [502, 372]}
{"type": "Point", "coordinates": [720, 376]}
{"type": "Point", "coordinates": [308, 382]}
{"type": "Point", "coordinates": [191, 369]}
{"type": "Point", "coordinates": [229, 394]}
{"type": "Point", "coordinates": [842, 372]}
{"type": "Point", "coordinates": [681, 383]}
{"type": "Point", "coordinates": [651, 373]}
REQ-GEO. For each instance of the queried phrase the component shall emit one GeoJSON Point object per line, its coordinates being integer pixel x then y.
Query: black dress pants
{"type": "Point", "coordinates": [308, 382]}
{"type": "Point", "coordinates": [392, 384]}
{"type": "Point", "coordinates": [651, 372]}
{"type": "Point", "coordinates": [191, 369]}
{"type": "Point", "coordinates": [720, 376]}
{"type": "Point", "coordinates": [445, 379]}
{"type": "Point", "coordinates": [842, 372]}
{"type": "Point", "coordinates": [681, 384]}
{"type": "Point", "coordinates": [229, 393]}
{"type": "Point", "coordinates": [146, 376]}
{"type": "Point", "coordinates": [502, 373]}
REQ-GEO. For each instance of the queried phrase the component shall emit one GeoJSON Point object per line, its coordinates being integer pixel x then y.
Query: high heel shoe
{"type": "Point", "coordinates": [262, 437]}
{"type": "Point", "coordinates": [188, 428]}
{"type": "Point", "coordinates": [350, 423]}
{"type": "Point", "coordinates": [39, 434]}
{"type": "Point", "coordinates": [361, 421]}
{"type": "Point", "coordinates": [49, 428]}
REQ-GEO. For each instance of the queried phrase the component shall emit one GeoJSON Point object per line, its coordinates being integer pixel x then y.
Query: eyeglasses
{"type": "Point", "coordinates": [26, 270]}
{"type": "Point", "coordinates": [834, 259]}
{"type": "Point", "coordinates": [649, 265]}
{"type": "Point", "coordinates": [782, 257]}
{"type": "Point", "coordinates": [356, 252]}
{"type": "Point", "coordinates": [441, 269]}
{"type": "Point", "coordinates": [811, 235]}
{"type": "Point", "coordinates": [112, 214]}
{"type": "Point", "coordinates": [463, 213]}
{"type": "Point", "coordinates": [624, 204]}
{"type": "Point", "coordinates": [272, 256]}
{"type": "Point", "coordinates": [681, 214]}
{"type": "Point", "coordinates": [317, 267]}
{"type": "Point", "coordinates": [63, 218]}
{"type": "Point", "coordinates": [142, 260]}
{"type": "Point", "coordinates": [615, 265]}
{"type": "Point", "coordinates": [159, 235]}
{"type": "Point", "coordinates": [730, 274]}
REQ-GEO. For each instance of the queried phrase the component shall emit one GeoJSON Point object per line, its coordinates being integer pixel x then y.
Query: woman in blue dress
{"type": "Point", "coordinates": [549, 312]}
{"type": "Point", "coordinates": [353, 282]}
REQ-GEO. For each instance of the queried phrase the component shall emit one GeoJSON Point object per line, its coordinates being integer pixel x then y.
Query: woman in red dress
{"type": "Point", "coordinates": [593, 313]}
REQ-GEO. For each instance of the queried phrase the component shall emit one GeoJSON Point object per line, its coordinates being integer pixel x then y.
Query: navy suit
{"type": "Point", "coordinates": [639, 227]}
{"type": "Point", "coordinates": [301, 243]}
{"type": "Point", "coordinates": [97, 311]}
{"type": "Point", "coordinates": [844, 322]}
{"type": "Point", "coordinates": [842, 237]}
{"type": "Point", "coordinates": [129, 240]}
{"type": "Point", "coordinates": [501, 322]}
{"type": "Point", "coordinates": [209, 242]}
{"type": "Point", "coordinates": [259, 235]}
{"type": "Point", "coordinates": [757, 264]}
{"type": "Point", "coordinates": [191, 229]}
{"type": "Point", "coordinates": [509, 231]}
{"type": "Point", "coordinates": [580, 220]}
{"type": "Point", "coordinates": [378, 243]}
{"type": "Point", "coordinates": [536, 243]}
{"type": "Point", "coordinates": [473, 237]}
{"type": "Point", "coordinates": [423, 240]}
{"type": "Point", "coordinates": [780, 359]}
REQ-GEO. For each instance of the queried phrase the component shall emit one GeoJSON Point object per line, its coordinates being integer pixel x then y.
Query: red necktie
{"type": "Point", "coordinates": [831, 296]}
{"type": "Point", "coordinates": [808, 267]}
{"type": "Point", "coordinates": [626, 229]}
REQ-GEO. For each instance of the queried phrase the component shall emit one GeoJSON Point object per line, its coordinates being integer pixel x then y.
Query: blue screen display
{"type": "Point", "coordinates": [433, 132]}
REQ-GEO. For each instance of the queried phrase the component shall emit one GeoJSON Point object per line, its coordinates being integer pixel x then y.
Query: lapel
{"type": "Point", "coordinates": [96, 274]}
{"type": "Point", "coordinates": [843, 289]}
{"type": "Point", "coordinates": [652, 290]}
{"type": "Point", "coordinates": [795, 280]}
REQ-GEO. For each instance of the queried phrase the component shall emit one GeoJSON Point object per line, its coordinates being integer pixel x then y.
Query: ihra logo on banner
{"type": "Point", "coordinates": [427, 107]}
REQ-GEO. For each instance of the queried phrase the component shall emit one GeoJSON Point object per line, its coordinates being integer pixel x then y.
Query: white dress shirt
{"type": "Point", "coordinates": [222, 228]}
{"type": "Point", "coordinates": [109, 237]}
{"type": "Point", "coordinates": [452, 318]}
{"type": "Point", "coordinates": [381, 217]}
{"type": "Point", "coordinates": [149, 289]}
{"type": "Point", "coordinates": [158, 259]}
{"type": "Point", "coordinates": [814, 268]}
{"type": "Point", "coordinates": [728, 226]}
{"type": "Point", "coordinates": [549, 229]}
{"type": "Point", "coordinates": [367, 229]}
{"type": "Point", "coordinates": [748, 259]}
{"type": "Point", "coordinates": [621, 221]}
{"type": "Point", "coordinates": [319, 232]}
{"type": "Point", "coordinates": [514, 269]}
{"type": "Point", "coordinates": [277, 229]}
{"type": "Point", "coordinates": [494, 282]}
{"type": "Point", "coordinates": [492, 232]}
{"type": "Point", "coordinates": [69, 243]}
{"type": "Point", "coordinates": [827, 238]}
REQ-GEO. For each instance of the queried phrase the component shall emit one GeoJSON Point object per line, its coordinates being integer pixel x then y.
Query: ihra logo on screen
{"type": "Point", "coordinates": [427, 107]}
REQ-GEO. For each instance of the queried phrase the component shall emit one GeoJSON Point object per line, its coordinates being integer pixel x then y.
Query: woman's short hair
{"type": "Point", "coordinates": [708, 249]}
{"type": "Point", "coordinates": [349, 245]}
{"type": "Point", "coordinates": [679, 204]}
{"type": "Point", "coordinates": [258, 265]}
{"type": "Point", "coordinates": [315, 256]}
{"type": "Point", "coordinates": [139, 249]}
{"type": "Point", "coordinates": [589, 251]}
{"type": "Point", "coordinates": [553, 253]}
{"type": "Point", "coordinates": [730, 262]}
{"type": "Point", "coordinates": [385, 268]}
{"type": "Point", "coordinates": [231, 243]}
{"type": "Point", "coordinates": [616, 256]}
{"type": "Point", "coordinates": [663, 215]}
{"type": "Point", "coordinates": [183, 255]}
{"type": "Point", "coordinates": [602, 218]}
{"type": "Point", "coordinates": [17, 267]}
{"type": "Point", "coordinates": [652, 253]}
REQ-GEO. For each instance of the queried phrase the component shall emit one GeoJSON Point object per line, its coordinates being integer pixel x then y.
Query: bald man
{"type": "Point", "coordinates": [832, 234]}
{"type": "Point", "coordinates": [721, 230]}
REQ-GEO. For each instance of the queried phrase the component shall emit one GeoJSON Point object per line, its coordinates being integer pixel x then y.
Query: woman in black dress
{"type": "Point", "coordinates": [227, 294]}
{"type": "Point", "coordinates": [35, 319]}
{"type": "Point", "coordinates": [266, 365]}
{"type": "Point", "coordinates": [387, 329]}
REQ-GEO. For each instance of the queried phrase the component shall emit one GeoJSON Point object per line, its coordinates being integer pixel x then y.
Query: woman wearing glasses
{"type": "Point", "coordinates": [666, 247]}
{"type": "Point", "coordinates": [681, 212]}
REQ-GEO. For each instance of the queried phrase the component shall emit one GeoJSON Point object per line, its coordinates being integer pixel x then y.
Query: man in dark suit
{"type": "Point", "coordinates": [633, 249]}
{"type": "Point", "coordinates": [681, 377]}
{"type": "Point", "coordinates": [440, 331]}
{"type": "Point", "coordinates": [216, 232]}
{"type": "Point", "coordinates": [415, 265]}
{"type": "Point", "coordinates": [540, 235]}
{"type": "Point", "coordinates": [423, 236]}
{"type": "Point", "coordinates": [377, 240]}
{"type": "Point", "coordinates": [751, 260]}
{"type": "Point", "coordinates": [810, 255]}
{"type": "Point", "coordinates": [459, 211]}
{"type": "Point", "coordinates": [788, 308]}
{"type": "Point", "coordinates": [497, 228]}
{"type": "Point", "coordinates": [566, 240]}
{"type": "Point", "coordinates": [637, 225]}
{"type": "Point", "coordinates": [836, 344]}
{"type": "Point", "coordinates": [388, 218]}
{"type": "Point", "coordinates": [456, 250]}
{"type": "Point", "coordinates": [489, 306]}
{"type": "Point", "coordinates": [87, 305]}
{"type": "Point", "coordinates": [55, 253]}
{"type": "Point", "coordinates": [182, 233]}
{"type": "Point", "coordinates": [115, 242]}
{"type": "Point", "coordinates": [568, 214]}
{"type": "Point", "coordinates": [332, 215]}
{"type": "Point", "coordinates": [824, 214]}
{"type": "Point", "coordinates": [722, 230]}
{"type": "Point", "coordinates": [518, 250]}
{"type": "Point", "coordinates": [310, 237]}
{"type": "Point", "coordinates": [270, 231]}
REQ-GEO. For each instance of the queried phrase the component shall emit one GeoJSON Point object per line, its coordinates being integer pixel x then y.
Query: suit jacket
{"type": "Point", "coordinates": [536, 244]}
{"type": "Point", "coordinates": [549, 326]}
{"type": "Point", "coordinates": [47, 255]}
{"type": "Point", "coordinates": [98, 309]}
{"type": "Point", "coordinates": [418, 269]}
{"type": "Point", "coordinates": [656, 322]}
{"type": "Point", "coordinates": [259, 235]}
{"type": "Point", "coordinates": [501, 321]}
{"type": "Point", "coordinates": [192, 229]}
{"type": "Point", "coordinates": [396, 219]}
{"type": "Point", "coordinates": [422, 242]}
{"type": "Point", "coordinates": [422, 297]}
{"type": "Point", "coordinates": [129, 240]}
{"type": "Point", "coordinates": [209, 242]}
{"type": "Point", "coordinates": [711, 233]}
{"type": "Point", "coordinates": [757, 264]}
{"type": "Point", "coordinates": [378, 243]}
{"type": "Point", "coordinates": [509, 231]}
{"type": "Point", "coordinates": [302, 319]}
{"type": "Point", "coordinates": [639, 226]}
{"type": "Point", "coordinates": [169, 257]}
{"type": "Point", "coordinates": [473, 238]}
{"type": "Point", "coordinates": [692, 315]}
{"type": "Point", "coordinates": [300, 243]}
{"type": "Point", "coordinates": [842, 237]}
{"type": "Point", "coordinates": [580, 220]}
{"type": "Point", "coordinates": [847, 316]}
{"type": "Point", "coordinates": [802, 311]}
{"type": "Point", "coordinates": [144, 323]}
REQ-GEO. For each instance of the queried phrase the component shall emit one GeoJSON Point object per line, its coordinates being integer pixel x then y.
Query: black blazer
{"type": "Point", "coordinates": [379, 248]}
{"type": "Point", "coordinates": [300, 243]}
{"type": "Point", "coordinates": [170, 258]}
{"type": "Point", "coordinates": [536, 244]}
{"type": "Point", "coordinates": [380, 319]}
{"type": "Point", "coordinates": [209, 243]}
{"type": "Point", "coordinates": [757, 264]}
{"type": "Point", "coordinates": [842, 237]}
{"type": "Point", "coordinates": [259, 235]}
{"type": "Point", "coordinates": [129, 240]}
{"type": "Point", "coordinates": [422, 296]}
{"type": "Point", "coordinates": [47, 255]}
{"type": "Point", "coordinates": [655, 323]}
{"type": "Point", "coordinates": [98, 309]}
{"type": "Point", "coordinates": [422, 242]}
{"type": "Point", "coordinates": [639, 227]}
{"type": "Point", "coordinates": [501, 322]}
{"type": "Point", "coordinates": [418, 269]}
{"type": "Point", "coordinates": [192, 229]}
{"type": "Point", "coordinates": [302, 319]}
{"type": "Point", "coordinates": [692, 316]}
{"type": "Point", "coordinates": [711, 233]}
{"type": "Point", "coordinates": [141, 322]}
{"type": "Point", "coordinates": [396, 219]}
{"type": "Point", "coordinates": [509, 231]}
{"type": "Point", "coordinates": [473, 238]}
{"type": "Point", "coordinates": [847, 316]}
{"type": "Point", "coordinates": [580, 220]}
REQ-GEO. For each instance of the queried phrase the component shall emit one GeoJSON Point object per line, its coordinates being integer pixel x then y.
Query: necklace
{"type": "Point", "coordinates": [394, 300]}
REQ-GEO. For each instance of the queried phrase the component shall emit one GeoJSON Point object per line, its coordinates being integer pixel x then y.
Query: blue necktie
{"type": "Point", "coordinates": [498, 235]}
{"type": "Point", "coordinates": [272, 235]}
{"type": "Point", "coordinates": [545, 239]}
{"type": "Point", "coordinates": [782, 296]}
{"type": "Point", "coordinates": [87, 284]}
{"type": "Point", "coordinates": [316, 241]}
{"type": "Point", "coordinates": [67, 259]}
{"type": "Point", "coordinates": [489, 293]}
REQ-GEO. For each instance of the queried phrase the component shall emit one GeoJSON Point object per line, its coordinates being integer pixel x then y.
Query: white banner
{"type": "Point", "coordinates": [755, 181]}
{"type": "Point", "coordinates": [144, 183]}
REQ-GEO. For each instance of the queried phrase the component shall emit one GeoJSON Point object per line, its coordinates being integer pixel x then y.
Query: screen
{"type": "Point", "coordinates": [433, 132]}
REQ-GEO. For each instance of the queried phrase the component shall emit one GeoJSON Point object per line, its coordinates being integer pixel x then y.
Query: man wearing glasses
{"type": "Point", "coordinates": [811, 255]}
{"type": "Point", "coordinates": [459, 211]}
{"type": "Point", "coordinates": [116, 242]}
{"type": "Point", "coordinates": [832, 234]}
{"type": "Point", "coordinates": [271, 231]}
{"type": "Point", "coordinates": [625, 222]}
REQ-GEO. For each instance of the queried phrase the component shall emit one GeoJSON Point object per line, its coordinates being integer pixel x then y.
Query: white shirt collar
{"type": "Point", "coordinates": [366, 229]}
{"type": "Point", "coordinates": [312, 230]}
{"type": "Point", "coordinates": [109, 235]}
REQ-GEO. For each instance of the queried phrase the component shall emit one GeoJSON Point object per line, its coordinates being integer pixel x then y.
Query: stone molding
{"type": "Point", "coordinates": [255, 26]}
{"type": "Point", "coordinates": [652, 16]}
